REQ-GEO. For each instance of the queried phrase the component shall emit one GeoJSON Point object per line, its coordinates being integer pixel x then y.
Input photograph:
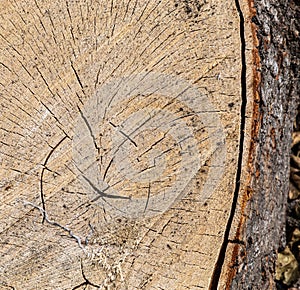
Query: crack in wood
{"type": "Point", "coordinates": [56, 224]}
{"type": "Point", "coordinates": [42, 175]}
{"type": "Point", "coordinates": [102, 193]}
{"type": "Point", "coordinates": [7, 286]}
{"type": "Point", "coordinates": [124, 134]}
{"type": "Point", "coordinates": [215, 278]}
{"type": "Point", "coordinates": [148, 197]}
{"type": "Point", "coordinates": [107, 168]}
{"type": "Point", "coordinates": [86, 281]}
{"type": "Point", "coordinates": [77, 76]}
{"type": "Point", "coordinates": [89, 128]}
{"type": "Point", "coordinates": [236, 241]}
{"type": "Point", "coordinates": [45, 82]}
{"type": "Point", "coordinates": [55, 118]}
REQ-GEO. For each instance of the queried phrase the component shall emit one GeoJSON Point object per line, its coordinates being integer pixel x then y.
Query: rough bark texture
{"type": "Point", "coordinates": [277, 24]}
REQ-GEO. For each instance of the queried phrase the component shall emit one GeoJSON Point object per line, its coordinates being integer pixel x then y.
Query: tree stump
{"type": "Point", "coordinates": [125, 142]}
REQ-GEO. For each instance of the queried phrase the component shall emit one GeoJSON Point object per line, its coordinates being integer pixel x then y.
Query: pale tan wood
{"type": "Point", "coordinates": [79, 80]}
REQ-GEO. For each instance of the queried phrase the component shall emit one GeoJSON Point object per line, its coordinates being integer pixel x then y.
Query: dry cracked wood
{"type": "Point", "coordinates": [123, 127]}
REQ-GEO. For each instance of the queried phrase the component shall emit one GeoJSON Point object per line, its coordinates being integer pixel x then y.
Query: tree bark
{"type": "Point", "coordinates": [262, 226]}
{"type": "Point", "coordinates": [144, 144]}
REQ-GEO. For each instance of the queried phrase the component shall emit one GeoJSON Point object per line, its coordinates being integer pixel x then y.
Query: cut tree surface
{"type": "Point", "coordinates": [123, 127]}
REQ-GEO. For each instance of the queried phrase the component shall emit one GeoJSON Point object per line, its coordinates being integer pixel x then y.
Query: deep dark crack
{"type": "Point", "coordinates": [221, 258]}
{"type": "Point", "coordinates": [86, 281]}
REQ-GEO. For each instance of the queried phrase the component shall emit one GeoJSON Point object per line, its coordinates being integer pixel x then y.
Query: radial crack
{"type": "Point", "coordinates": [148, 197]}
{"type": "Point", "coordinates": [89, 128]}
{"type": "Point", "coordinates": [107, 168]}
{"type": "Point", "coordinates": [77, 76]}
{"type": "Point", "coordinates": [124, 134]}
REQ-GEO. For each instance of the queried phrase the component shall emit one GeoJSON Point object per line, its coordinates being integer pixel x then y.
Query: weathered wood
{"type": "Point", "coordinates": [125, 131]}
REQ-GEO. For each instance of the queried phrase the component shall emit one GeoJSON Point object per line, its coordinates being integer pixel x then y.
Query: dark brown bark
{"type": "Point", "coordinates": [277, 24]}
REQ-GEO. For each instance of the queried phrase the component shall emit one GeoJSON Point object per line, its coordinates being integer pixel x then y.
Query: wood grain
{"type": "Point", "coordinates": [120, 141]}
